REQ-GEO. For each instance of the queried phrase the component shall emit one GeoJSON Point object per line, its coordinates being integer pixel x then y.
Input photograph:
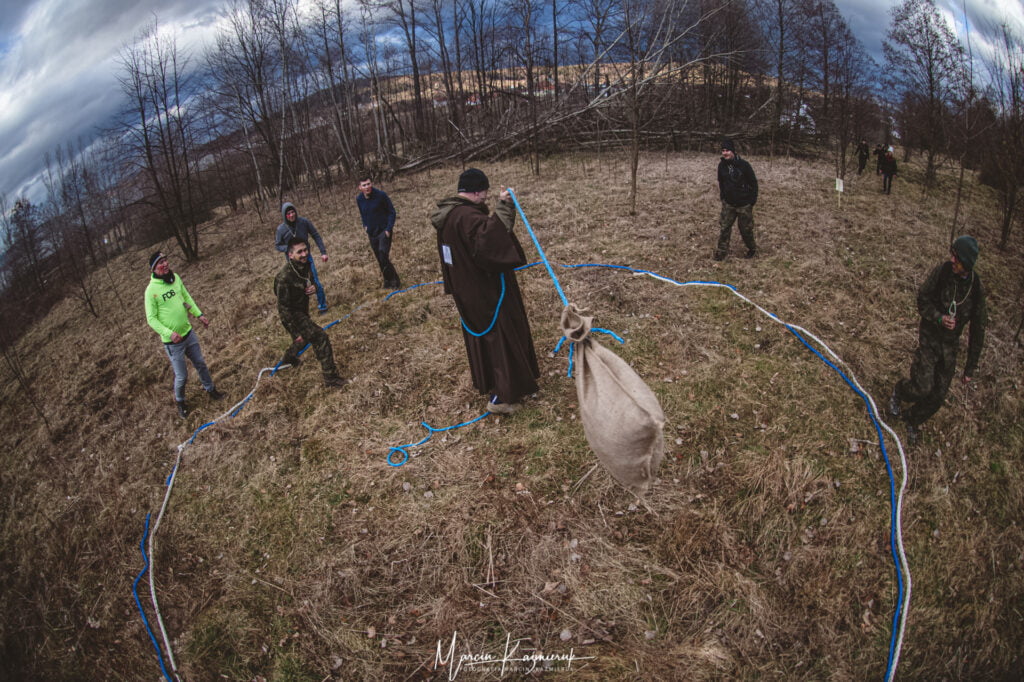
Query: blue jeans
{"type": "Point", "coordinates": [177, 352]}
{"type": "Point", "coordinates": [321, 297]}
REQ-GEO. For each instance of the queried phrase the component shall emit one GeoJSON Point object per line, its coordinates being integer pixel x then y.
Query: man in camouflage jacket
{"type": "Point", "coordinates": [949, 300]}
{"type": "Point", "coordinates": [293, 288]}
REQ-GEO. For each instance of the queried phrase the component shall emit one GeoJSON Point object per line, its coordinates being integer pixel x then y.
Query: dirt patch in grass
{"type": "Point", "coordinates": [291, 551]}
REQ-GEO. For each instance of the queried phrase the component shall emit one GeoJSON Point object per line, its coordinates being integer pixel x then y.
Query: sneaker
{"type": "Point", "coordinates": [495, 407]}
{"type": "Point", "coordinates": [215, 395]}
{"type": "Point", "coordinates": [894, 404]}
{"type": "Point", "coordinates": [182, 408]}
{"type": "Point", "coordinates": [751, 253]}
{"type": "Point", "coordinates": [913, 434]}
{"type": "Point", "coordinates": [719, 255]}
{"type": "Point", "coordinates": [335, 382]}
{"type": "Point", "coordinates": [323, 310]}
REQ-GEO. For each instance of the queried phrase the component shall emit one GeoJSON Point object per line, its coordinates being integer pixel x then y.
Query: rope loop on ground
{"type": "Point", "coordinates": [903, 576]}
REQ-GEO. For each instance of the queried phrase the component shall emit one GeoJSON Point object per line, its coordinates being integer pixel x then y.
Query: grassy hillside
{"type": "Point", "coordinates": [291, 551]}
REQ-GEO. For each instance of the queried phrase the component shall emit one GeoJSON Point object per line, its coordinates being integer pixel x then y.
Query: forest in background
{"type": "Point", "coordinates": [289, 98]}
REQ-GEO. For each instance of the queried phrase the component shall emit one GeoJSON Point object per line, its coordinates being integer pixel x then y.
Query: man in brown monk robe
{"type": "Point", "coordinates": [479, 254]}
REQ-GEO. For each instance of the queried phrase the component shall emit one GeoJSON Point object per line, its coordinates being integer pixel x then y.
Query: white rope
{"type": "Point", "coordinates": [904, 565]}
{"type": "Point", "coordinates": [163, 507]}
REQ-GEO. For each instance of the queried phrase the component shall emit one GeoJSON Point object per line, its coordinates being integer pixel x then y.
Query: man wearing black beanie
{"type": "Point", "coordinates": [168, 306]}
{"type": "Point", "coordinates": [949, 300]}
{"type": "Point", "coordinates": [737, 188]}
{"type": "Point", "coordinates": [479, 254]}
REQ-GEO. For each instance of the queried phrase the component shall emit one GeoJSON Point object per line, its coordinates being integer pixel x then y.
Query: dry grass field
{"type": "Point", "coordinates": [291, 551]}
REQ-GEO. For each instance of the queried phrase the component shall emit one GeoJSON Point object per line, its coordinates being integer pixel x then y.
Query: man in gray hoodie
{"type": "Point", "coordinates": [301, 228]}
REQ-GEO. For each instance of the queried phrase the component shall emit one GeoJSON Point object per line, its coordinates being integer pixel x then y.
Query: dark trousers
{"type": "Point", "coordinates": [381, 245]}
{"type": "Point", "coordinates": [887, 183]}
{"type": "Point", "coordinates": [862, 161]}
{"type": "Point", "coordinates": [930, 376]}
{"type": "Point", "coordinates": [725, 221]}
{"type": "Point", "coordinates": [310, 332]}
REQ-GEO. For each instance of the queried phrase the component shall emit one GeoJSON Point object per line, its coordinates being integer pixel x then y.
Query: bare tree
{"type": "Point", "coordinates": [1003, 163]}
{"type": "Point", "coordinates": [159, 134]}
{"type": "Point", "coordinates": [924, 58]}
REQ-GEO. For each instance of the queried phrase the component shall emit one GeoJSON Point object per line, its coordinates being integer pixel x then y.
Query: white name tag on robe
{"type": "Point", "coordinates": [446, 254]}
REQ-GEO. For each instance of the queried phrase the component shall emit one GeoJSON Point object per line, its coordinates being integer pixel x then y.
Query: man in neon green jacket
{"type": "Point", "coordinates": [168, 305]}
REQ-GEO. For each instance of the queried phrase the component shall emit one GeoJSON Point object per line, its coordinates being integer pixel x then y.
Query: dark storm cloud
{"type": "Point", "coordinates": [58, 68]}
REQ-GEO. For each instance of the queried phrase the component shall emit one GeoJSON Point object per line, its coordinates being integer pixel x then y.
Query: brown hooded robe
{"type": "Point", "coordinates": [476, 250]}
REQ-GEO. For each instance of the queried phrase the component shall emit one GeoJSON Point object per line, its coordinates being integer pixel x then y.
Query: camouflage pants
{"type": "Point", "coordinates": [930, 376]}
{"type": "Point", "coordinates": [725, 221]}
{"type": "Point", "coordinates": [311, 333]}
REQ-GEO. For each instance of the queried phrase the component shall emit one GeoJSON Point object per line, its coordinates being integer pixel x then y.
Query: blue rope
{"type": "Point", "coordinates": [572, 345]}
{"type": "Point", "coordinates": [610, 333]}
{"type": "Point", "coordinates": [888, 465]}
{"type": "Point", "coordinates": [497, 309]}
{"type": "Point", "coordinates": [892, 494]}
{"type": "Point", "coordinates": [540, 249]}
{"type": "Point", "coordinates": [414, 286]}
{"type": "Point", "coordinates": [135, 593]}
{"type": "Point", "coordinates": [405, 453]}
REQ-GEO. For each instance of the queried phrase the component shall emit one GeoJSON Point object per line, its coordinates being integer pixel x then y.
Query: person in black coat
{"type": "Point", "coordinates": [862, 156]}
{"type": "Point", "coordinates": [888, 169]}
{"type": "Point", "coordinates": [737, 188]}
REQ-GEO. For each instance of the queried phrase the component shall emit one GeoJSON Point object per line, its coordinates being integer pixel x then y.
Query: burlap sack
{"type": "Point", "coordinates": [621, 416]}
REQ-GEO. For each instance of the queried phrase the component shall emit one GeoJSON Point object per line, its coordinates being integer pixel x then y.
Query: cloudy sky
{"type": "Point", "coordinates": [58, 63]}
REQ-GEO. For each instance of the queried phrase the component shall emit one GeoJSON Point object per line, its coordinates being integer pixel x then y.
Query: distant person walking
{"type": "Point", "coordinates": [293, 286]}
{"type": "Point", "coordinates": [863, 152]}
{"type": "Point", "coordinates": [479, 254]}
{"type": "Point", "coordinates": [888, 171]}
{"type": "Point", "coordinates": [879, 153]}
{"type": "Point", "coordinates": [378, 215]}
{"type": "Point", "coordinates": [949, 300]}
{"type": "Point", "coordinates": [737, 188]}
{"type": "Point", "coordinates": [295, 226]}
{"type": "Point", "coordinates": [168, 306]}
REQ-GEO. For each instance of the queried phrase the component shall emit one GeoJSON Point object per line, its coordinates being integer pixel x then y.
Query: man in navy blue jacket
{"type": "Point", "coordinates": [737, 188]}
{"type": "Point", "coordinates": [378, 214]}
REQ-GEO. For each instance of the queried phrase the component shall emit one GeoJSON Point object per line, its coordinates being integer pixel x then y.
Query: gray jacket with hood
{"type": "Point", "coordinates": [301, 228]}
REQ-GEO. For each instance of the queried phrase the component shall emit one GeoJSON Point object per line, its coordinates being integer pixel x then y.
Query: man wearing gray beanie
{"type": "Point", "coordinates": [949, 300]}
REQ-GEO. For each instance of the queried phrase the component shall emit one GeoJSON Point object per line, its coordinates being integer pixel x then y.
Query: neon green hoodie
{"type": "Point", "coordinates": [168, 307]}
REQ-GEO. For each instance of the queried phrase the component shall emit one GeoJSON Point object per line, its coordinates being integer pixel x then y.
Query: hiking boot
{"type": "Point", "coordinates": [913, 434]}
{"type": "Point", "coordinates": [751, 253]}
{"type": "Point", "coordinates": [894, 404]}
{"type": "Point", "coordinates": [182, 408]}
{"type": "Point", "coordinates": [719, 255]}
{"type": "Point", "coordinates": [289, 360]}
{"type": "Point", "coordinates": [335, 382]}
{"type": "Point", "coordinates": [215, 395]}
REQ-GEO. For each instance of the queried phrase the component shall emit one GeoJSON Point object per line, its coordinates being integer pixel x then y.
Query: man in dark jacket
{"type": "Point", "coordinates": [378, 214]}
{"type": "Point", "coordinates": [478, 254]}
{"type": "Point", "coordinates": [294, 226]}
{"type": "Point", "coordinates": [950, 299]}
{"type": "Point", "coordinates": [737, 187]}
{"type": "Point", "coordinates": [293, 287]}
{"type": "Point", "coordinates": [888, 168]}
{"type": "Point", "coordinates": [862, 156]}
{"type": "Point", "coordinates": [879, 154]}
